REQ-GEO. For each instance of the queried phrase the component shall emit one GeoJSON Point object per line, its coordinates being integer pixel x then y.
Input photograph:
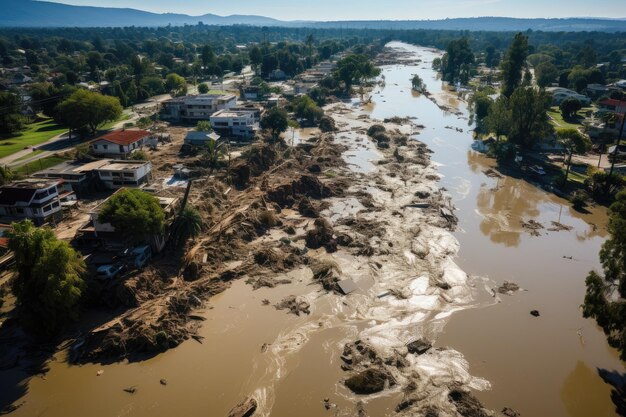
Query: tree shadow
{"type": "Point", "coordinates": [617, 381]}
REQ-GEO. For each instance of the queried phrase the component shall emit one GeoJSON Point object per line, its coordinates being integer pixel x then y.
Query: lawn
{"type": "Point", "coordinates": [109, 125]}
{"type": "Point", "coordinates": [40, 164]}
{"type": "Point", "coordinates": [36, 133]}
{"type": "Point", "coordinates": [29, 155]}
{"type": "Point", "coordinates": [557, 118]}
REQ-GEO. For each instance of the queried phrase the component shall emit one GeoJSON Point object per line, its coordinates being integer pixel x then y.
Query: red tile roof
{"type": "Point", "coordinates": [124, 137]}
{"type": "Point", "coordinates": [613, 102]}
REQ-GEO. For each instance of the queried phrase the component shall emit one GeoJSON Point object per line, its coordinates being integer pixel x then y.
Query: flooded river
{"type": "Point", "coordinates": [542, 367]}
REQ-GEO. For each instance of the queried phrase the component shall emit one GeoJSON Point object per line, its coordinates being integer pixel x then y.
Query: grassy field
{"type": "Point", "coordinates": [557, 118]}
{"type": "Point", "coordinates": [29, 155]}
{"type": "Point", "coordinates": [37, 133]}
{"type": "Point", "coordinates": [40, 164]}
{"type": "Point", "coordinates": [109, 125]}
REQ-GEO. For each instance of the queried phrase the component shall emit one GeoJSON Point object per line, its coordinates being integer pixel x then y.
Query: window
{"type": "Point", "coordinates": [105, 174]}
{"type": "Point", "coordinates": [19, 210]}
{"type": "Point", "coordinates": [104, 146]}
{"type": "Point", "coordinates": [129, 175]}
{"type": "Point", "coordinates": [121, 149]}
{"type": "Point", "coordinates": [94, 146]}
{"type": "Point", "coordinates": [55, 204]}
{"type": "Point", "coordinates": [47, 208]}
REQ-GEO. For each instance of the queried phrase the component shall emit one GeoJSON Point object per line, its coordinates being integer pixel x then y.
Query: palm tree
{"type": "Point", "coordinates": [188, 225]}
{"type": "Point", "coordinates": [212, 153]}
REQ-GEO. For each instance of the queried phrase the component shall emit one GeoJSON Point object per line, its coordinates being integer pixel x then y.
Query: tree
{"type": "Point", "coordinates": [203, 88]}
{"type": "Point", "coordinates": [305, 108]}
{"type": "Point", "coordinates": [139, 156]}
{"type": "Point", "coordinates": [546, 73]}
{"type": "Point", "coordinates": [204, 126]}
{"type": "Point", "coordinates": [6, 175]}
{"type": "Point", "coordinates": [491, 56]}
{"type": "Point", "coordinates": [49, 284]}
{"type": "Point", "coordinates": [87, 108]}
{"type": "Point", "coordinates": [207, 56]}
{"type": "Point", "coordinates": [11, 120]}
{"type": "Point", "coordinates": [498, 118]}
{"type": "Point", "coordinates": [256, 57]}
{"type": "Point", "coordinates": [569, 107]}
{"type": "Point", "coordinates": [480, 104]}
{"type": "Point", "coordinates": [513, 64]}
{"type": "Point", "coordinates": [276, 121]}
{"type": "Point", "coordinates": [456, 61]}
{"type": "Point", "coordinates": [310, 41]}
{"type": "Point", "coordinates": [573, 142]}
{"type": "Point", "coordinates": [355, 69]}
{"type": "Point", "coordinates": [132, 93]}
{"type": "Point", "coordinates": [529, 120]}
{"type": "Point", "coordinates": [188, 225]}
{"type": "Point", "coordinates": [134, 213]}
{"type": "Point", "coordinates": [417, 83]}
{"type": "Point", "coordinates": [212, 153]}
{"type": "Point", "coordinates": [175, 84]}
{"type": "Point", "coordinates": [605, 300]}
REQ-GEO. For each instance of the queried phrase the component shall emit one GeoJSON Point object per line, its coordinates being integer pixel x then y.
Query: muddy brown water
{"type": "Point", "coordinates": [545, 366]}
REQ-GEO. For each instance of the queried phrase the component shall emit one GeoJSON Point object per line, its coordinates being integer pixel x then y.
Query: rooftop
{"type": "Point", "coordinates": [232, 113]}
{"type": "Point", "coordinates": [124, 137]}
{"type": "Point", "coordinates": [72, 167]}
{"type": "Point", "coordinates": [123, 165]}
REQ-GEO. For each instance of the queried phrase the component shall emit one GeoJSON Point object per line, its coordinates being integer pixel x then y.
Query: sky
{"type": "Point", "coordinates": [374, 9]}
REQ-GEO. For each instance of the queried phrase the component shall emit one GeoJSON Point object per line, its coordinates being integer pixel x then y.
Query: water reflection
{"type": "Point", "coordinates": [584, 394]}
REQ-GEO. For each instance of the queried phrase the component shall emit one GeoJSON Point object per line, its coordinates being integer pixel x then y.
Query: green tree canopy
{"type": "Point", "coordinates": [355, 69]}
{"type": "Point", "coordinates": [498, 118]}
{"type": "Point", "coordinates": [605, 300]}
{"type": "Point", "coordinates": [175, 84]}
{"type": "Point", "coordinates": [276, 121]}
{"type": "Point", "coordinates": [546, 73]}
{"type": "Point", "coordinates": [203, 88]}
{"type": "Point", "coordinates": [304, 107]}
{"type": "Point", "coordinates": [87, 108]}
{"type": "Point", "coordinates": [569, 107]}
{"type": "Point", "coordinates": [513, 64]}
{"type": "Point", "coordinates": [204, 126]}
{"type": "Point", "coordinates": [11, 119]}
{"type": "Point", "coordinates": [134, 213]}
{"type": "Point", "coordinates": [456, 61]}
{"type": "Point", "coordinates": [529, 120]}
{"type": "Point", "coordinates": [49, 284]}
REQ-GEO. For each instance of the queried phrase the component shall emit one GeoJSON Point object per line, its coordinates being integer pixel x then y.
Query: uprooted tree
{"type": "Point", "coordinates": [135, 214]}
{"type": "Point", "coordinates": [49, 284]}
{"type": "Point", "coordinates": [605, 300]}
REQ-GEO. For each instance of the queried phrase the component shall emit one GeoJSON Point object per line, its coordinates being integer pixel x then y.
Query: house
{"type": "Point", "coordinates": [194, 108]}
{"type": "Point", "coordinates": [597, 90]}
{"type": "Point", "coordinates": [77, 176]}
{"type": "Point", "coordinates": [20, 79]}
{"type": "Point", "coordinates": [255, 109]}
{"type": "Point", "coordinates": [118, 174]}
{"type": "Point", "coordinates": [195, 138]}
{"type": "Point", "coordinates": [235, 123]}
{"type": "Point", "coordinates": [35, 199]}
{"type": "Point", "coordinates": [278, 75]}
{"type": "Point", "coordinates": [559, 94]}
{"type": "Point", "coordinates": [252, 92]}
{"type": "Point", "coordinates": [612, 105]}
{"type": "Point", "coordinates": [119, 144]}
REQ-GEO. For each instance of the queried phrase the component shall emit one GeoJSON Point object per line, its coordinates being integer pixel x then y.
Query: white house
{"type": "Point", "coordinates": [118, 174]}
{"type": "Point", "coordinates": [237, 123]}
{"type": "Point", "coordinates": [559, 94]}
{"type": "Point", "coordinates": [194, 108]}
{"type": "Point", "coordinates": [119, 144]}
{"type": "Point", "coordinates": [34, 199]}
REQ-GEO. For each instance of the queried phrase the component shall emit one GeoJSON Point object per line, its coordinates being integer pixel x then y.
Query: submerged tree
{"type": "Point", "coordinates": [49, 284]}
{"type": "Point", "coordinates": [418, 84]}
{"type": "Point", "coordinates": [605, 300]}
{"type": "Point", "coordinates": [498, 120]}
{"type": "Point", "coordinates": [355, 69]}
{"type": "Point", "coordinates": [456, 61]}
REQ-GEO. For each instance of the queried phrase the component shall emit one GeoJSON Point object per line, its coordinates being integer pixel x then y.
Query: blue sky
{"type": "Point", "coordinates": [375, 9]}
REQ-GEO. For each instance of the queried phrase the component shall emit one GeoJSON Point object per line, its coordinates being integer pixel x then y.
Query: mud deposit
{"type": "Point", "coordinates": [335, 284]}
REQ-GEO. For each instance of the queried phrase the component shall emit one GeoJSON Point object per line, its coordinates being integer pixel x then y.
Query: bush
{"type": "Point", "coordinates": [579, 200]}
{"type": "Point", "coordinates": [375, 129]}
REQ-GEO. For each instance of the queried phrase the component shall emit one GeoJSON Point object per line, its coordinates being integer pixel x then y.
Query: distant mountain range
{"type": "Point", "coordinates": [31, 13]}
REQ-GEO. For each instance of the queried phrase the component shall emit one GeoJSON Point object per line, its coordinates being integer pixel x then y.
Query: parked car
{"type": "Point", "coordinates": [109, 271]}
{"type": "Point", "coordinates": [141, 256]}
